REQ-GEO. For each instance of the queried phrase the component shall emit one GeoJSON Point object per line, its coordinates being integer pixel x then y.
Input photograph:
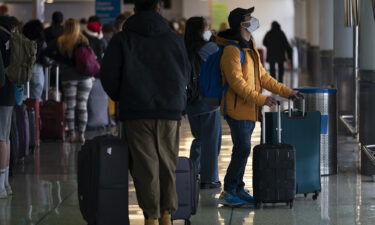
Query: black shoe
{"type": "Point", "coordinates": [212, 185]}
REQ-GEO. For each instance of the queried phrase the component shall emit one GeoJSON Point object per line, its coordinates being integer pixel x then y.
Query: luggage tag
{"type": "Point", "coordinates": [109, 150]}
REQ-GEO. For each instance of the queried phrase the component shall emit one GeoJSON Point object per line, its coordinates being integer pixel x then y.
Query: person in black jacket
{"type": "Point", "coordinates": [93, 33]}
{"type": "Point", "coordinates": [277, 47]}
{"type": "Point", "coordinates": [146, 69]}
{"type": "Point", "coordinates": [33, 30]}
{"type": "Point", "coordinates": [56, 29]}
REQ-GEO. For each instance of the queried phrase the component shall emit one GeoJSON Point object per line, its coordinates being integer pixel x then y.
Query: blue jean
{"type": "Point", "coordinates": [205, 149]}
{"type": "Point", "coordinates": [241, 131]}
{"type": "Point", "coordinates": [37, 82]}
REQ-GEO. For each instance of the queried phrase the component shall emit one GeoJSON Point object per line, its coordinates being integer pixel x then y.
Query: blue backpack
{"type": "Point", "coordinates": [210, 82]}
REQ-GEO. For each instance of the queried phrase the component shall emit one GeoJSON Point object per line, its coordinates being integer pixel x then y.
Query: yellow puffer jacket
{"type": "Point", "coordinates": [244, 98]}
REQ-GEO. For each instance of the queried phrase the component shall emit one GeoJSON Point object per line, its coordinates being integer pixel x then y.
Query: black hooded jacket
{"type": "Point", "coordinates": [146, 69]}
{"type": "Point", "coordinates": [7, 97]}
{"type": "Point", "coordinates": [277, 44]}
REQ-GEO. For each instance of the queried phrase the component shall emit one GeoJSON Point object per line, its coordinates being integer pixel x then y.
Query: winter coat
{"type": "Point", "coordinates": [146, 69]}
{"type": "Point", "coordinates": [96, 43]}
{"type": "Point", "coordinates": [68, 70]}
{"type": "Point", "coordinates": [53, 32]}
{"type": "Point", "coordinates": [244, 99]}
{"type": "Point", "coordinates": [277, 45]}
{"type": "Point", "coordinates": [7, 97]}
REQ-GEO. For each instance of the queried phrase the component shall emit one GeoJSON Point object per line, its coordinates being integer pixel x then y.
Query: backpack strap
{"type": "Point", "coordinates": [242, 53]}
{"type": "Point", "coordinates": [5, 30]}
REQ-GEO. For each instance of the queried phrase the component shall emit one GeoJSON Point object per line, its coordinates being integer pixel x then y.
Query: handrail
{"type": "Point", "coordinates": [367, 149]}
{"type": "Point", "coordinates": [345, 120]}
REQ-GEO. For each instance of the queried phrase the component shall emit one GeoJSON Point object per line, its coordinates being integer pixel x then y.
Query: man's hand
{"type": "Point", "coordinates": [270, 101]}
{"type": "Point", "coordinates": [295, 95]}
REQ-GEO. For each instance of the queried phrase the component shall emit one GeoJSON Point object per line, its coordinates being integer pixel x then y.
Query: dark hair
{"type": "Point", "coordinates": [119, 22]}
{"type": "Point", "coordinates": [94, 19]}
{"type": "Point", "coordinates": [108, 28]}
{"type": "Point", "coordinates": [193, 34]}
{"type": "Point", "coordinates": [33, 30]}
{"type": "Point", "coordinates": [14, 22]}
{"type": "Point", "coordinates": [275, 25]}
{"type": "Point", "coordinates": [9, 22]}
{"type": "Point", "coordinates": [57, 17]}
{"type": "Point", "coordinates": [83, 21]}
{"type": "Point", "coordinates": [146, 5]}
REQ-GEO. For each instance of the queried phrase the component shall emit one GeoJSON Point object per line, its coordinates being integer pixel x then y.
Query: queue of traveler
{"type": "Point", "coordinates": [147, 67]}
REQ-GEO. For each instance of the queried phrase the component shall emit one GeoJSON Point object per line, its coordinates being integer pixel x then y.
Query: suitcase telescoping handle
{"type": "Point", "coordinates": [279, 129]}
{"type": "Point", "coordinates": [47, 80]}
{"type": "Point", "coordinates": [303, 106]}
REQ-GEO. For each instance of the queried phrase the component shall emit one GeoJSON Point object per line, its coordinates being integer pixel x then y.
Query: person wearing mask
{"type": "Point", "coordinates": [277, 47]}
{"type": "Point", "coordinates": [205, 120]}
{"type": "Point", "coordinates": [76, 86]}
{"type": "Point", "coordinates": [243, 99]}
{"type": "Point", "coordinates": [146, 69]}
{"type": "Point", "coordinates": [56, 29]}
{"type": "Point", "coordinates": [7, 101]}
{"type": "Point", "coordinates": [33, 30]}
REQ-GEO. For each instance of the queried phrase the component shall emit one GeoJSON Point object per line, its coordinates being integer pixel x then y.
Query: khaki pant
{"type": "Point", "coordinates": [154, 146]}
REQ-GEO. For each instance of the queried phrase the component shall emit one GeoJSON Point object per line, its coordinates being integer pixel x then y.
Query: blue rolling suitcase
{"type": "Point", "coordinates": [188, 186]}
{"type": "Point", "coordinates": [302, 130]}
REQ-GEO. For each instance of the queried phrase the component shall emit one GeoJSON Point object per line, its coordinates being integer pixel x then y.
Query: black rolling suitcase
{"type": "Point", "coordinates": [274, 170]}
{"type": "Point", "coordinates": [103, 181]}
{"type": "Point", "coordinates": [188, 186]}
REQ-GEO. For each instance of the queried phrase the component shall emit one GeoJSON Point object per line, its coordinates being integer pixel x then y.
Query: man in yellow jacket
{"type": "Point", "coordinates": [243, 99]}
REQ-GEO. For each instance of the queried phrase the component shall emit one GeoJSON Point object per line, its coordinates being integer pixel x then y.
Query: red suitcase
{"type": "Point", "coordinates": [52, 113]}
{"type": "Point", "coordinates": [33, 105]}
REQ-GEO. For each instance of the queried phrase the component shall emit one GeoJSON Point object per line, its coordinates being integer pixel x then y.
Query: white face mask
{"type": "Point", "coordinates": [207, 35]}
{"type": "Point", "coordinates": [176, 26]}
{"type": "Point", "coordinates": [254, 24]}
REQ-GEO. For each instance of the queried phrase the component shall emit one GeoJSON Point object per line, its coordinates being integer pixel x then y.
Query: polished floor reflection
{"type": "Point", "coordinates": [46, 192]}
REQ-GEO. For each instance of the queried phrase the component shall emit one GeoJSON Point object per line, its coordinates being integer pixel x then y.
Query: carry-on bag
{"type": "Point", "coordinates": [302, 130]}
{"type": "Point", "coordinates": [97, 107]}
{"type": "Point", "coordinates": [23, 128]}
{"type": "Point", "coordinates": [274, 169]}
{"type": "Point", "coordinates": [188, 186]}
{"type": "Point", "coordinates": [52, 112]}
{"type": "Point", "coordinates": [33, 107]}
{"type": "Point", "coordinates": [103, 181]}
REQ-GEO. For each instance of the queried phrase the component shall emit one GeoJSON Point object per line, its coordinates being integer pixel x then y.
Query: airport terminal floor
{"type": "Point", "coordinates": [45, 190]}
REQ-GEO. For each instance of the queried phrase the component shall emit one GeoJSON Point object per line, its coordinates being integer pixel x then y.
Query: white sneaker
{"type": "Point", "coordinates": [9, 190]}
{"type": "Point", "coordinates": [3, 194]}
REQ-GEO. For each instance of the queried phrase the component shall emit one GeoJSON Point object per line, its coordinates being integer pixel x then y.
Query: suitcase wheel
{"type": "Point", "coordinates": [315, 196]}
{"type": "Point", "coordinates": [290, 204]}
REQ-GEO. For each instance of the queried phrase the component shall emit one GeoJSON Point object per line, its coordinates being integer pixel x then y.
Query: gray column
{"type": "Point", "coordinates": [313, 56]}
{"type": "Point", "coordinates": [326, 30]}
{"type": "Point", "coordinates": [343, 63]}
{"type": "Point", "coordinates": [38, 10]}
{"type": "Point", "coordinates": [367, 82]}
{"type": "Point", "coordinates": [301, 32]}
